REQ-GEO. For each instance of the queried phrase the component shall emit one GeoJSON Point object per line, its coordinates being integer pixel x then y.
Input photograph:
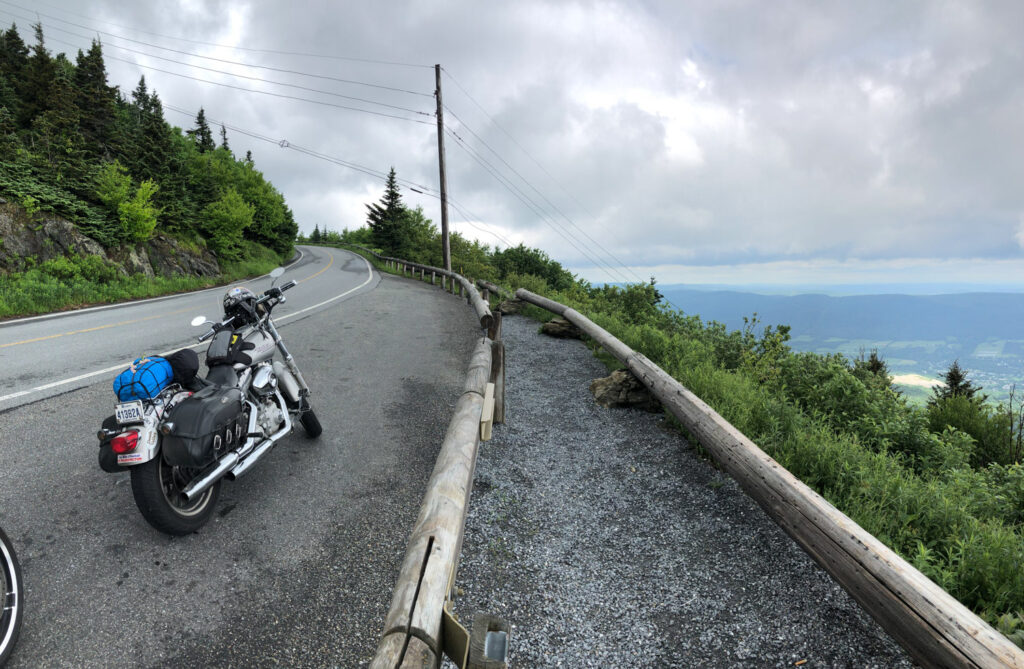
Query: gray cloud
{"type": "Point", "coordinates": [682, 133]}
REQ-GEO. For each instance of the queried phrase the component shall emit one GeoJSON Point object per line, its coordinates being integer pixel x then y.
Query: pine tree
{"type": "Point", "coordinates": [58, 143]}
{"type": "Point", "coordinates": [315, 236]}
{"type": "Point", "coordinates": [248, 158]}
{"type": "Point", "coordinates": [95, 100]}
{"type": "Point", "coordinates": [385, 219]}
{"type": "Point", "coordinates": [13, 60]}
{"type": "Point", "coordinates": [201, 134]}
{"type": "Point", "coordinates": [36, 80]}
{"type": "Point", "coordinates": [224, 139]}
{"type": "Point", "coordinates": [957, 385]}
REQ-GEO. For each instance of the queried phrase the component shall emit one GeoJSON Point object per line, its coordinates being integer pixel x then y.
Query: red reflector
{"type": "Point", "coordinates": [125, 443]}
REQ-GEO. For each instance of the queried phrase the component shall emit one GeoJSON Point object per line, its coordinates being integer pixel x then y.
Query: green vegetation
{"type": "Point", "coordinates": [941, 484]}
{"type": "Point", "coordinates": [74, 147]}
{"type": "Point", "coordinates": [74, 281]}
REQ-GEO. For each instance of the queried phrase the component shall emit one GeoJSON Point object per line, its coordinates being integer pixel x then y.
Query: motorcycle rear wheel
{"type": "Point", "coordinates": [157, 488]}
{"type": "Point", "coordinates": [13, 590]}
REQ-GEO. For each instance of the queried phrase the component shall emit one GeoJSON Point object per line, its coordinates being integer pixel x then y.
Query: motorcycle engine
{"type": "Point", "coordinates": [270, 417]}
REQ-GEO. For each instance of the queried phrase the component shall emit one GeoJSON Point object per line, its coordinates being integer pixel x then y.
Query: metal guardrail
{"type": "Point", "coordinates": [935, 628]}
{"type": "Point", "coordinates": [420, 627]}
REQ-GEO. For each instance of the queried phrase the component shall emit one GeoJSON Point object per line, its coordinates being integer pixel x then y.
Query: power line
{"type": "Point", "coordinates": [522, 197]}
{"type": "Point", "coordinates": [240, 76]}
{"type": "Point", "coordinates": [535, 162]}
{"type": "Point", "coordinates": [221, 60]}
{"type": "Point", "coordinates": [285, 144]}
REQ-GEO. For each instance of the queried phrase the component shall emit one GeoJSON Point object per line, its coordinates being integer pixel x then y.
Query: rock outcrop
{"type": "Point", "coordinates": [45, 237]}
{"type": "Point", "coordinates": [622, 389]}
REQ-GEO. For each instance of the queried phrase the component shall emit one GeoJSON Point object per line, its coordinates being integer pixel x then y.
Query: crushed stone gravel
{"type": "Point", "coordinates": [605, 541]}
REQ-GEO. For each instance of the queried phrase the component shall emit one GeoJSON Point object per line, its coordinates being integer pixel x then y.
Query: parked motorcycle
{"type": "Point", "coordinates": [181, 435]}
{"type": "Point", "coordinates": [13, 598]}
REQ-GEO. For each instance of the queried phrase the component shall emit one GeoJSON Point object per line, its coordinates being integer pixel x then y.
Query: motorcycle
{"type": "Point", "coordinates": [180, 435]}
{"type": "Point", "coordinates": [13, 602]}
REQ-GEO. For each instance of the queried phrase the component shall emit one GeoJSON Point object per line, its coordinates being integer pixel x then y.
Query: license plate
{"type": "Point", "coordinates": [129, 412]}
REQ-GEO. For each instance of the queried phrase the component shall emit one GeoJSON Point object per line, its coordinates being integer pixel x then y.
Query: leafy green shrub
{"type": "Point", "coordinates": [988, 426]}
{"type": "Point", "coordinates": [224, 220]}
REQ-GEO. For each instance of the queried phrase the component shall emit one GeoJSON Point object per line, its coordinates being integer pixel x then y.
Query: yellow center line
{"type": "Point", "coordinates": [98, 327]}
{"type": "Point", "coordinates": [136, 320]}
{"type": "Point", "coordinates": [321, 271]}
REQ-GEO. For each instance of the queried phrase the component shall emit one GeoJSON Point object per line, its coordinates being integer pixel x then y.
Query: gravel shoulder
{"type": "Point", "coordinates": [605, 541]}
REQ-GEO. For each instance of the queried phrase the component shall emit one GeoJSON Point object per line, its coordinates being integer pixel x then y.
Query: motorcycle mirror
{"type": "Point", "coordinates": [276, 274]}
{"type": "Point", "coordinates": [199, 320]}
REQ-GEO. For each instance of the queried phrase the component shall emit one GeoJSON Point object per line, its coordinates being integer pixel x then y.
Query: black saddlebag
{"type": "Point", "coordinates": [207, 424]}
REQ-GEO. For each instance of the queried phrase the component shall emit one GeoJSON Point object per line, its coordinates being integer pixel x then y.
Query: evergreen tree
{"type": "Point", "coordinates": [58, 143]}
{"type": "Point", "coordinates": [224, 138]}
{"type": "Point", "coordinates": [36, 80]}
{"type": "Point", "coordinates": [13, 61]}
{"type": "Point", "coordinates": [957, 385]}
{"type": "Point", "coordinates": [315, 236]}
{"type": "Point", "coordinates": [95, 100]}
{"type": "Point", "coordinates": [201, 134]}
{"type": "Point", "coordinates": [248, 158]}
{"type": "Point", "coordinates": [385, 218]}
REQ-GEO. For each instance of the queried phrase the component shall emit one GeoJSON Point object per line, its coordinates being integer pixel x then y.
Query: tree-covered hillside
{"type": "Point", "coordinates": [73, 146]}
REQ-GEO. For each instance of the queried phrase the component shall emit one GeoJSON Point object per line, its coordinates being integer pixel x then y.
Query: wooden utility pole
{"type": "Point", "coordinates": [446, 249]}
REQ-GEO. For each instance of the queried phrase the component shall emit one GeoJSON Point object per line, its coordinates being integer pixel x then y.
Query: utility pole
{"type": "Point", "coordinates": [446, 249]}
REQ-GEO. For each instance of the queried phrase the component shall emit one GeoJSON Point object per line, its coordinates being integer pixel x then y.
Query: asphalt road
{"type": "Point", "coordinates": [296, 569]}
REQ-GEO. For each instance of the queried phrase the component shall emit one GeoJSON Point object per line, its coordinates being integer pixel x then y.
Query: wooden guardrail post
{"type": "Point", "coordinates": [935, 628]}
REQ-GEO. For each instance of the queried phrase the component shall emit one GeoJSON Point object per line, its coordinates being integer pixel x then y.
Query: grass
{"type": "Point", "coordinates": [72, 282]}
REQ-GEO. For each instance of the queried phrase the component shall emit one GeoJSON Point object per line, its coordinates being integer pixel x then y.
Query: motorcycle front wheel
{"type": "Point", "coordinates": [13, 598]}
{"type": "Point", "coordinates": [157, 488]}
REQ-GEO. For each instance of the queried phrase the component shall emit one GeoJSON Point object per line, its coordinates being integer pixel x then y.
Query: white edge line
{"type": "Point", "coordinates": [130, 303]}
{"type": "Point", "coordinates": [107, 370]}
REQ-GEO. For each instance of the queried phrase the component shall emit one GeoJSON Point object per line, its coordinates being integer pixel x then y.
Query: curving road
{"type": "Point", "coordinates": [298, 565]}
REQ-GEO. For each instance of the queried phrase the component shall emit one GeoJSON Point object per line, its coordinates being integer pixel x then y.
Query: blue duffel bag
{"type": "Point", "coordinates": [144, 379]}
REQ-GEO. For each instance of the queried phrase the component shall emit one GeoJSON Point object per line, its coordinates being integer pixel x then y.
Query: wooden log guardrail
{"type": "Point", "coordinates": [935, 628]}
{"type": "Point", "coordinates": [466, 288]}
{"type": "Point", "coordinates": [420, 628]}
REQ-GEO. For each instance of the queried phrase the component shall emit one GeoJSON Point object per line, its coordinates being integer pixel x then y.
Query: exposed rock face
{"type": "Point", "coordinates": [168, 258]}
{"type": "Point", "coordinates": [622, 389]}
{"type": "Point", "coordinates": [561, 328]}
{"type": "Point", "coordinates": [47, 237]}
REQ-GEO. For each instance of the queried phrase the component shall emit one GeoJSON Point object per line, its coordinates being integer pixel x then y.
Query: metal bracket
{"type": "Point", "coordinates": [454, 636]}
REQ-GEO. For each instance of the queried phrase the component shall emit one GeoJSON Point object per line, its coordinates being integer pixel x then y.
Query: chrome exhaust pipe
{"type": "Point", "coordinates": [198, 486]}
{"type": "Point", "coordinates": [266, 445]}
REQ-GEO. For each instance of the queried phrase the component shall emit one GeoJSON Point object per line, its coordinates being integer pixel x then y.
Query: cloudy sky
{"type": "Point", "coordinates": [703, 142]}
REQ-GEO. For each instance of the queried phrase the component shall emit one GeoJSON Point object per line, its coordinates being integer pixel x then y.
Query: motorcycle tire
{"type": "Point", "coordinates": [310, 423]}
{"type": "Point", "coordinates": [13, 589]}
{"type": "Point", "coordinates": [157, 488]}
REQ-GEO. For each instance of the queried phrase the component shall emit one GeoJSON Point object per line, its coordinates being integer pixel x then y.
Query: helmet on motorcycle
{"type": "Point", "coordinates": [239, 301]}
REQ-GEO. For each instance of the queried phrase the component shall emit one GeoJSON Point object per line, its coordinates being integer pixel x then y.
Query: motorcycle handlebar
{"type": "Point", "coordinates": [215, 329]}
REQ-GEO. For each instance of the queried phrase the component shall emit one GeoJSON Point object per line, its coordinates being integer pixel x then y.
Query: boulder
{"type": "Point", "coordinates": [622, 389]}
{"type": "Point", "coordinates": [511, 306]}
{"type": "Point", "coordinates": [561, 328]}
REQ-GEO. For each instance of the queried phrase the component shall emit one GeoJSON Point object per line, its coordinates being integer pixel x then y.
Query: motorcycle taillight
{"type": "Point", "coordinates": [125, 442]}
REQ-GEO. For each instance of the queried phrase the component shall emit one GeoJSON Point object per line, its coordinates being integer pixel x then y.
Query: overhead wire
{"type": "Point", "coordinates": [532, 206]}
{"type": "Point", "coordinates": [285, 144]}
{"type": "Point", "coordinates": [535, 162]}
{"type": "Point", "coordinates": [242, 48]}
{"type": "Point", "coordinates": [213, 58]}
{"type": "Point", "coordinates": [232, 74]}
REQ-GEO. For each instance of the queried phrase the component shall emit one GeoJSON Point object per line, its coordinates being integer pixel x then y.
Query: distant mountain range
{"type": "Point", "coordinates": [915, 333]}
